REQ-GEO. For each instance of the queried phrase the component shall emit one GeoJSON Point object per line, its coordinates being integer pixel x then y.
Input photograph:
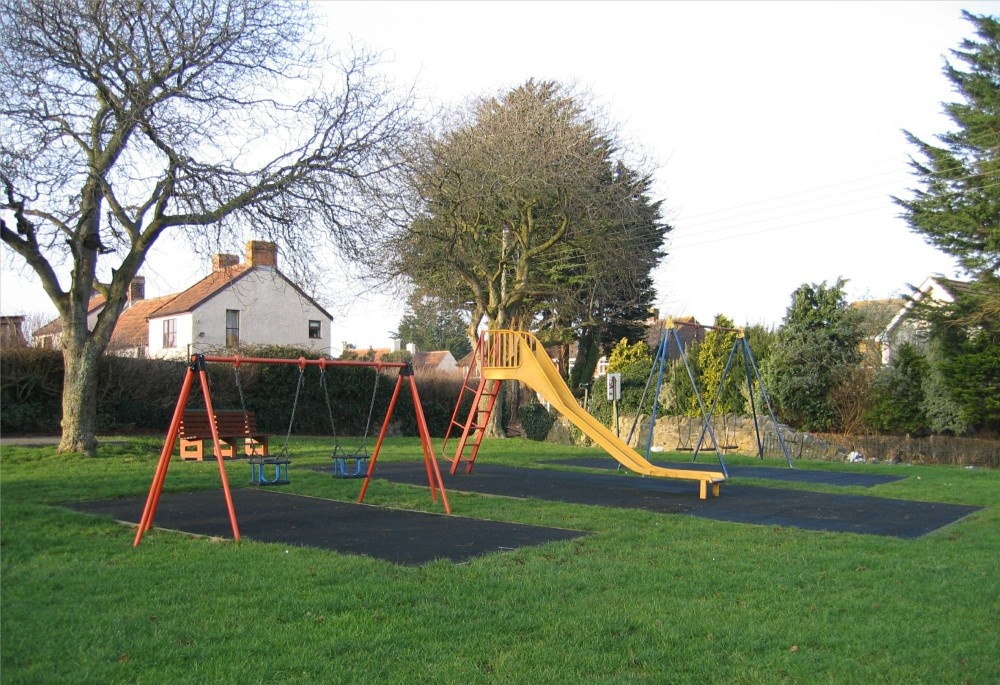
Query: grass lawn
{"type": "Point", "coordinates": [645, 598]}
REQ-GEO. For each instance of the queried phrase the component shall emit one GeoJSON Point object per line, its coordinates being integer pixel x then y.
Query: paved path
{"type": "Point", "coordinates": [29, 441]}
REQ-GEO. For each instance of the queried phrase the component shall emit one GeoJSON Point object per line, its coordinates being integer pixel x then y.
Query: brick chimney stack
{"type": "Point", "coordinates": [262, 253]}
{"type": "Point", "coordinates": [137, 289]}
{"type": "Point", "coordinates": [224, 261]}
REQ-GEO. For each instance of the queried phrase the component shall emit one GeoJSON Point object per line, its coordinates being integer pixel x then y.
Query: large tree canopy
{"type": "Point", "coordinates": [125, 120]}
{"type": "Point", "coordinates": [527, 211]}
{"type": "Point", "coordinates": [957, 209]}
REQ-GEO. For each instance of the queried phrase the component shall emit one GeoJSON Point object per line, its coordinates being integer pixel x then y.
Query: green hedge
{"type": "Point", "coordinates": [139, 395]}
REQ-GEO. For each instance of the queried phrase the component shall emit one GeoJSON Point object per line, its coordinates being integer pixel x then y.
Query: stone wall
{"type": "Point", "coordinates": [736, 435]}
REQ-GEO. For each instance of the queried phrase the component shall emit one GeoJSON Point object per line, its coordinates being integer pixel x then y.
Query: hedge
{"type": "Point", "coordinates": [139, 395]}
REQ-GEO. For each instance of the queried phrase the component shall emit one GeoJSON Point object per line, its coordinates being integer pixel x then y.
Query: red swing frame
{"type": "Point", "coordinates": [197, 368]}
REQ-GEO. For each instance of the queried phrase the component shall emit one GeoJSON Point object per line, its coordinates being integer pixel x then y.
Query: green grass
{"type": "Point", "coordinates": [646, 598]}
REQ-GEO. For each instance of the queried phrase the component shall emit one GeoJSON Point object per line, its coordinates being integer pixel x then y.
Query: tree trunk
{"type": "Point", "coordinates": [495, 427]}
{"type": "Point", "coordinates": [79, 399]}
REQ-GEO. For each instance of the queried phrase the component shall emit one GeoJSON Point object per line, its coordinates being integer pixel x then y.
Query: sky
{"type": "Point", "coordinates": [775, 130]}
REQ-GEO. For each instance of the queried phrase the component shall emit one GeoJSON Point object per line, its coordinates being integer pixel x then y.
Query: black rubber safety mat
{"type": "Point", "coordinates": [402, 537]}
{"type": "Point", "coordinates": [738, 504]}
{"type": "Point", "coordinates": [781, 473]}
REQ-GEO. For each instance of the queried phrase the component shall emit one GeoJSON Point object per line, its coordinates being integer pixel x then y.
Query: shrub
{"type": "Point", "coordinates": [536, 421]}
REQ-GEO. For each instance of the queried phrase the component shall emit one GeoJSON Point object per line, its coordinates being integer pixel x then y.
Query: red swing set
{"type": "Point", "coordinates": [197, 368]}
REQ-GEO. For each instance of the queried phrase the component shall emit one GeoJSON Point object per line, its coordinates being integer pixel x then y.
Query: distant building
{"type": "Point", "coordinates": [904, 326]}
{"type": "Point", "coordinates": [438, 360]}
{"type": "Point", "coordinates": [12, 332]}
{"type": "Point", "coordinates": [875, 318]}
{"type": "Point", "coordinates": [236, 305]}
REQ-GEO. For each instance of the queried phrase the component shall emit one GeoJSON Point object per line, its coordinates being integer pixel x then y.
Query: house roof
{"type": "Point", "coordinates": [54, 327]}
{"type": "Point", "coordinates": [926, 290]}
{"type": "Point", "coordinates": [206, 288]}
{"type": "Point", "coordinates": [202, 290]}
{"type": "Point", "coordinates": [132, 329]}
{"type": "Point", "coordinates": [419, 360]}
{"type": "Point", "coordinates": [430, 360]}
{"type": "Point", "coordinates": [878, 313]}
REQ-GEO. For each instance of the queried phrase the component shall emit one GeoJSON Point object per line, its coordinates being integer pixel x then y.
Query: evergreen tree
{"type": "Point", "coordinates": [944, 415]}
{"type": "Point", "coordinates": [816, 350]}
{"type": "Point", "coordinates": [713, 354]}
{"type": "Point", "coordinates": [957, 210]}
{"type": "Point", "coordinates": [430, 324]}
{"type": "Point", "coordinates": [633, 362]}
{"type": "Point", "coordinates": [899, 394]}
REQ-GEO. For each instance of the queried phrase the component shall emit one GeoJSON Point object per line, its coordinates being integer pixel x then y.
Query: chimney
{"type": "Point", "coordinates": [262, 253]}
{"type": "Point", "coordinates": [137, 289]}
{"type": "Point", "coordinates": [396, 345]}
{"type": "Point", "coordinates": [411, 348]}
{"type": "Point", "coordinates": [224, 261]}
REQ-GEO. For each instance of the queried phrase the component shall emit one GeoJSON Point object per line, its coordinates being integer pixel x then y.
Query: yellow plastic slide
{"type": "Point", "coordinates": [516, 355]}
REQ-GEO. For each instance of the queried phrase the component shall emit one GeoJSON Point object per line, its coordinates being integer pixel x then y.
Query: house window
{"type": "Point", "coordinates": [315, 330]}
{"type": "Point", "coordinates": [232, 328]}
{"type": "Point", "coordinates": [170, 332]}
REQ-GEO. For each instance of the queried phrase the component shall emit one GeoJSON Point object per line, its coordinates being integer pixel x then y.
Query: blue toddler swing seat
{"type": "Point", "coordinates": [349, 465]}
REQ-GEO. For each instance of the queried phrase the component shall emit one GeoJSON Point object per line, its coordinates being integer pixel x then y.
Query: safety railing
{"type": "Point", "coordinates": [503, 350]}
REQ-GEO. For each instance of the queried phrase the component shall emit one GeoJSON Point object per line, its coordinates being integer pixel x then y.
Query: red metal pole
{"type": "Point", "coordinates": [430, 460]}
{"type": "Point", "coordinates": [146, 522]}
{"type": "Point", "coordinates": [218, 454]}
{"type": "Point", "coordinates": [381, 437]}
{"type": "Point", "coordinates": [302, 362]}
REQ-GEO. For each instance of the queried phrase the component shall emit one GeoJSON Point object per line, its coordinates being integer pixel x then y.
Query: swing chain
{"type": "Point", "coordinates": [371, 410]}
{"type": "Point", "coordinates": [329, 410]}
{"type": "Point", "coordinates": [246, 415]}
{"type": "Point", "coordinates": [295, 404]}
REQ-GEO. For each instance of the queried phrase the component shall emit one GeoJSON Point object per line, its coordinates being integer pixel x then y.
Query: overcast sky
{"type": "Point", "coordinates": [776, 128]}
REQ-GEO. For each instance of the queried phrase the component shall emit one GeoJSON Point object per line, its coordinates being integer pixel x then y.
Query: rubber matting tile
{"type": "Point", "coordinates": [737, 504]}
{"type": "Point", "coordinates": [401, 537]}
{"type": "Point", "coordinates": [781, 473]}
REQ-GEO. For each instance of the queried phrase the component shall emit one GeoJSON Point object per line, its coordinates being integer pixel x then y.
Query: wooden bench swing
{"type": "Point", "coordinates": [237, 431]}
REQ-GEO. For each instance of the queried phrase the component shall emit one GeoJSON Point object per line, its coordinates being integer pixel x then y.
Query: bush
{"type": "Point", "coordinates": [140, 395]}
{"type": "Point", "coordinates": [31, 382]}
{"type": "Point", "coordinates": [536, 421]}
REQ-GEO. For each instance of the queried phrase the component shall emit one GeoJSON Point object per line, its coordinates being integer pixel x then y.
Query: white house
{"type": "Point", "coordinates": [905, 328]}
{"type": "Point", "coordinates": [236, 305]}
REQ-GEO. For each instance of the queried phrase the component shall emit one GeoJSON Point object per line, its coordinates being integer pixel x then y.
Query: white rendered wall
{"type": "Point", "coordinates": [272, 312]}
{"type": "Point", "coordinates": [183, 338]}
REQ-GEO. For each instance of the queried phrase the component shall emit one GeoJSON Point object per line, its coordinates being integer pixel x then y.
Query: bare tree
{"type": "Point", "coordinates": [126, 120]}
{"type": "Point", "coordinates": [518, 195]}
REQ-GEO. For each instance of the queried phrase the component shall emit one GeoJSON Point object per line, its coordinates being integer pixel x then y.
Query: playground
{"type": "Point", "coordinates": [481, 561]}
{"type": "Point", "coordinates": [416, 537]}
